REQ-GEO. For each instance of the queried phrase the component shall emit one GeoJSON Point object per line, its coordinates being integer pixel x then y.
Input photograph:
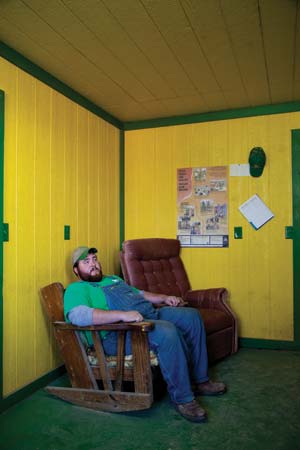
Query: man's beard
{"type": "Point", "coordinates": [89, 277]}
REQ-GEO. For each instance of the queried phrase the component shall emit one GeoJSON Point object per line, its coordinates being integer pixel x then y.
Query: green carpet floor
{"type": "Point", "coordinates": [260, 411]}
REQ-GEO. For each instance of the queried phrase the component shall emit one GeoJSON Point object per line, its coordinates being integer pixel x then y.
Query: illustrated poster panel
{"type": "Point", "coordinates": [202, 206]}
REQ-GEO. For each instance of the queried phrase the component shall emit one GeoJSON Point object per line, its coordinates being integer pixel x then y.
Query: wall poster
{"type": "Point", "coordinates": [202, 206]}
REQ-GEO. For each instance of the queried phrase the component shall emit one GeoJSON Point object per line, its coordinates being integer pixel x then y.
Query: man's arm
{"type": "Point", "coordinates": [170, 300]}
{"type": "Point", "coordinates": [84, 316]}
{"type": "Point", "coordinates": [79, 309]}
{"type": "Point", "coordinates": [101, 316]}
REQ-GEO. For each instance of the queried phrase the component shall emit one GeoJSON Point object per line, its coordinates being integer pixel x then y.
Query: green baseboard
{"type": "Point", "coordinates": [268, 344]}
{"type": "Point", "coordinates": [19, 395]}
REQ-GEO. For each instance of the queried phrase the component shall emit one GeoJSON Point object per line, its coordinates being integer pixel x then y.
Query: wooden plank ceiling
{"type": "Point", "coordinates": [142, 59]}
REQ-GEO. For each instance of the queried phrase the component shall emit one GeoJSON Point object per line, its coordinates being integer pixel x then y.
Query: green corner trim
{"type": "Point", "coordinates": [296, 229]}
{"type": "Point", "coordinates": [1, 231]}
{"type": "Point", "coordinates": [213, 116]}
{"type": "Point", "coordinates": [268, 344]}
{"type": "Point", "coordinates": [122, 187]}
{"type": "Point", "coordinates": [25, 64]}
{"type": "Point", "coordinates": [41, 382]}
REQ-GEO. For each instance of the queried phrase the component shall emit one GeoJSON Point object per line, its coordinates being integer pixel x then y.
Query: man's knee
{"type": "Point", "coordinates": [164, 333]}
{"type": "Point", "coordinates": [194, 314]}
{"type": "Point", "coordinates": [190, 316]}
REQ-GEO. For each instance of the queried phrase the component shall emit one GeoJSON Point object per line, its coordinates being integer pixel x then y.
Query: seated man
{"type": "Point", "coordinates": [178, 337]}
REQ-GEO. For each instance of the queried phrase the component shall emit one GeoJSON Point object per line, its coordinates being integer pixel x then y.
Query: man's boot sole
{"type": "Point", "coordinates": [192, 418]}
{"type": "Point", "coordinates": [213, 394]}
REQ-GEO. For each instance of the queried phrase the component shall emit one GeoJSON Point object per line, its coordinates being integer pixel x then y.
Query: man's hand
{"type": "Point", "coordinates": [171, 300]}
{"type": "Point", "coordinates": [159, 299]}
{"type": "Point", "coordinates": [131, 316]}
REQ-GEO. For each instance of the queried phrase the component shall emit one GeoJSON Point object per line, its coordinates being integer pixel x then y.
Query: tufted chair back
{"type": "Point", "coordinates": [154, 265]}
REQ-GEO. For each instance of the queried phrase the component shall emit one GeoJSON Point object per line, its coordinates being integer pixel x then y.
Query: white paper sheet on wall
{"type": "Point", "coordinates": [239, 170]}
{"type": "Point", "coordinates": [256, 212]}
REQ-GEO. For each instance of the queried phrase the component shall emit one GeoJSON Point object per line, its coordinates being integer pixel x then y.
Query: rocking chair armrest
{"type": "Point", "coordinates": [119, 326]}
{"type": "Point", "coordinates": [214, 298]}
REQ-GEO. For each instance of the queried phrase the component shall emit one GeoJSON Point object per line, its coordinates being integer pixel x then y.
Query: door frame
{"type": "Point", "coordinates": [296, 229]}
{"type": "Point", "coordinates": [1, 234]}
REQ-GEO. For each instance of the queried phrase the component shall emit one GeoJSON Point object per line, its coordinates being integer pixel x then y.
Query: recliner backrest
{"type": "Point", "coordinates": [154, 265]}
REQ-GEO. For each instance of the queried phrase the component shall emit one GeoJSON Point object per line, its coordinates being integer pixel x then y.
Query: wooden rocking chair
{"type": "Point", "coordinates": [87, 389]}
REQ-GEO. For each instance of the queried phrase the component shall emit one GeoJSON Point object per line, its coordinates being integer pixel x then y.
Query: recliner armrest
{"type": "Point", "coordinates": [213, 298]}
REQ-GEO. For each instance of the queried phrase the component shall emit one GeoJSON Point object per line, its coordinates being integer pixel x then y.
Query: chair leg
{"type": "Point", "coordinates": [105, 375]}
{"type": "Point", "coordinates": [141, 363]}
{"type": "Point", "coordinates": [120, 361]}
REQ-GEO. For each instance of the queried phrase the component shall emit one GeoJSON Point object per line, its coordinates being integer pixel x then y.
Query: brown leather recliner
{"type": "Point", "coordinates": [155, 265]}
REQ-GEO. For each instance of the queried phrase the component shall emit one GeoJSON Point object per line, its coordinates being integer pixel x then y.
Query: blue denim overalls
{"type": "Point", "coordinates": [178, 339]}
{"type": "Point", "coordinates": [120, 296]}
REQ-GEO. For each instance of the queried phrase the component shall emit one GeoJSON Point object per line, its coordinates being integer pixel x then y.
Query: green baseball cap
{"type": "Point", "coordinates": [81, 253]}
{"type": "Point", "coordinates": [257, 161]}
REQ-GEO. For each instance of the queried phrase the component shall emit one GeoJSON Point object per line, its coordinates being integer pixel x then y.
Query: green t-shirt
{"type": "Point", "coordinates": [90, 294]}
{"type": "Point", "coordinates": [87, 293]}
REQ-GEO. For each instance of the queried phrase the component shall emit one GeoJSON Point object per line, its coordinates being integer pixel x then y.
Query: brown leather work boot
{"type": "Point", "coordinates": [209, 388]}
{"type": "Point", "coordinates": [191, 411]}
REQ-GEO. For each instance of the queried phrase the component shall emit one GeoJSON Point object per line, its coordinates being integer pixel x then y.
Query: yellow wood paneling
{"type": "Point", "coordinates": [92, 176]}
{"type": "Point", "coordinates": [10, 288]}
{"type": "Point", "coordinates": [139, 156]}
{"type": "Point", "coordinates": [70, 201]}
{"type": "Point", "coordinates": [60, 160]}
{"type": "Point", "coordinates": [57, 176]}
{"type": "Point", "coordinates": [113, 198]}
{"type": "Point", "coordinates": [257, 270]}
{"type": "Point", "coordinates": [82, 176]}
{"type": "Point", "coordinates": [42, 221]}
{"type": "Point", "coordinates": [102, 199]}
{"type": "Point", "coordinates": [25, 186]}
